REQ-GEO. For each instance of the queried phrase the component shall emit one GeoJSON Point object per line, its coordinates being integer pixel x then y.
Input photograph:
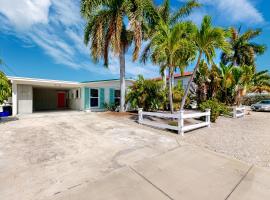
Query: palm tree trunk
{"type": "Point", "coordinates": [122, 81]}
{"type": "Point", "coordinates": [190, 81]}
{"type": "Point", "coordinates": [170, 90]}
{"type": "Point", "coordinates": [164, 78]}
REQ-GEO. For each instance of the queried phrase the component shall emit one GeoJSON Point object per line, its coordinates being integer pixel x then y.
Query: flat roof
{"type": "Point", "coordinates": [35, 80]}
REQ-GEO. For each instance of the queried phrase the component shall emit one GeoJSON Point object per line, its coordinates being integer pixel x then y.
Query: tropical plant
{"type": "Point", "coordinates": [146, 94]}
{"type": "Point", "coordinates": [110, 106]}
{"type": "Point", "coordinates": [217, 108]}
{"type": "Point", "coordinates": [5, 88]}
{"type": "Point", "coordinates": [178, 93]}
{"type": "Point", "coordinates": [260, 82]}
{"type": "Point", "coordinates": [171, 46]}
{"type": "Point", "coordinates": [106, 30]}
{"type": "Point", "coordinates": [167, 22]}
{"type": "Point", "coordinates": [206, 40]}
{"type": "Point", "coordinates": [243, 51]}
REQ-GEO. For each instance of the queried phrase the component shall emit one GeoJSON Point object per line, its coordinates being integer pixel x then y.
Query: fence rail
{"type": "Point", "coordinates": [239, 111]}
{"type": "Point", "coordinates": [180, 116]}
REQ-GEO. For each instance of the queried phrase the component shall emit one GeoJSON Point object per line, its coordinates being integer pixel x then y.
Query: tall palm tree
{"type": "Point", "coordinates": [170, 46]}
{"type": "Point", "coordinates": [170, 18]}
{"type": "Point", "coordinates": [206, 40]}
{"type": "Point", "coordinates": [106, 30]}
{"type": "Point", "coordinates": [243, 51]}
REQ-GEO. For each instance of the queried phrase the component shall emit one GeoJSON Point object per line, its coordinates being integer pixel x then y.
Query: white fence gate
{"type": "Point", "coordinates": [180, 116]}
{"type": "Point", "coordinates": [239, 111]}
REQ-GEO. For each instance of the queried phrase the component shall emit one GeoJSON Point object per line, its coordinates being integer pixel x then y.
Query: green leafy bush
{"type": "Point", "coordinates": [216, 107]}
{"type": "Point", "coordinates": [146, 94]}
{"type": "Point", "coordinates": [5, 88]}
{"type": "Point", "coordinates": [248, 100]}
{"type": "Point", "coordinates": [110, 106]}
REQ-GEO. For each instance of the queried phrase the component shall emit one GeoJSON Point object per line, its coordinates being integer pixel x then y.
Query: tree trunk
{"type": "Point", "coordinates": [164, 78]}
{"type": "Point", "coordinates": [190, 81]}
{"type": "Point", "coordinates": [170, 90]}
{"type": "Point", "coordinates": [122, 81]}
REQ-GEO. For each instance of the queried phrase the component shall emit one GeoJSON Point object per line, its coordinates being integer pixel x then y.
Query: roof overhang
{"type": "Point", "coordinates": [43, 82]}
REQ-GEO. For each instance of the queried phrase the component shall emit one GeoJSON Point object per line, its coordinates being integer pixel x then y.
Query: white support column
{"type": "Point", "coordinates": [82, 97]}
{"type": "Point", "coordinates": [181, 122]}
{"type": "Point", "coordinates": [140, 115]}
{"type": "Point", "coordinates": [14, 99]}
{"type": "Point", "coordinates": [207, 118]}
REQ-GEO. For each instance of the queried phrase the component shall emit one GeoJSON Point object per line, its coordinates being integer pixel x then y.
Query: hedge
{"type": "Point", "coordinates": [251, 99]}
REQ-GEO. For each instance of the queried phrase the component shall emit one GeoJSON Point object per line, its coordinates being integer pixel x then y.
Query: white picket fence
{"type": "Point", "coordinates": [180, 116]}
{"type": "Point", "coordinates": [239, 111]}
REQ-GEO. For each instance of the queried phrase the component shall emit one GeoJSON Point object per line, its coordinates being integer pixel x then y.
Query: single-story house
{"type": "Point", "coordinates": [32, 95]}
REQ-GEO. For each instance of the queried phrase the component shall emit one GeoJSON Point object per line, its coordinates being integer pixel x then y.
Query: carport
{"type": "Point", "coordinates": [35, 95]}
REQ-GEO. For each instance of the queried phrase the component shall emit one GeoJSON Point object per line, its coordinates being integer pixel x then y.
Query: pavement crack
{"type": "Point", "coordinates": [163, 192]}
{"type": "Point", "coordinates": [239, 182]}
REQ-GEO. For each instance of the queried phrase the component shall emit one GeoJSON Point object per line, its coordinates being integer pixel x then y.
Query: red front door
{"type": "Point", "coordinates": [61, 100]}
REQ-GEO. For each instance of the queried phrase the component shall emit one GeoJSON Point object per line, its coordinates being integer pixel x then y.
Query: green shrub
{"type": "Point", "coordinates": [146, 94]}
{"type": "Point", "coordinates": [216, 107]}
{"type": "Point", "coordinates": [5, 87]}
{"type": "Point", "coordinates": [248, 100]}
{"type": "Point", "coordinates": [110, 106]}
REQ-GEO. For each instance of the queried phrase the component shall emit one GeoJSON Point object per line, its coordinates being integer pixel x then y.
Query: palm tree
{"type": "Point", "coordinates": [206, 40]}
{"type": "Point", "coordinates": [227, 79]}
{"type": "Point", "coordinates": [243, 50]}
{"type": "Point", "coordinates": [106, 30]}
{"type": "Point", "coordinates": [202, 80]}
{"type": "Point", "coordinates": [170, 45]}
{"type": "Point", "coordinates": [260, 82]}
{"type": "Point", "coordinates": [170, 18]}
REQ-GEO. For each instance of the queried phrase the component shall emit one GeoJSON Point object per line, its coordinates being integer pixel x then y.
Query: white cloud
{"type": "Point", "coordinates": [229, 11]}
{"type": "Point", "coordinates": [57, 27]}
{"type": "Point", "coordinates": [25, 13]}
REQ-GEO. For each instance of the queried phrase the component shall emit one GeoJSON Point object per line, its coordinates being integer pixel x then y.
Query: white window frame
{"type": "Point", "coordinates": [90, 97]}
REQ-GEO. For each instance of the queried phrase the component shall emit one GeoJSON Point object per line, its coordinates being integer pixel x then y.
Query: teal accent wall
{"type": "Point", "coordinates": [86, 98]}
{"type": "Point", "coordinates": [111, 95]}
{"type": "Point", "coordinates": [101, 97]}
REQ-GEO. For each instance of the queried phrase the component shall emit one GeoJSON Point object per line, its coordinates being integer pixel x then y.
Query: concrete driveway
{"type": "Point", "coordinates": [86, 156]}
{"type": "Point", "coordinates": [44, 154]}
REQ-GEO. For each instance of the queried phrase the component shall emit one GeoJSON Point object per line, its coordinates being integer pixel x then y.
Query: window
{"type": "Point", "coordinates": [94, 100]}
{"type": "Point", "coordinates": [117, 97]}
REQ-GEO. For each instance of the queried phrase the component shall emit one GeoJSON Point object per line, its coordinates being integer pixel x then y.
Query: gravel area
{"type": "Point", "coordinates": [246, 139]}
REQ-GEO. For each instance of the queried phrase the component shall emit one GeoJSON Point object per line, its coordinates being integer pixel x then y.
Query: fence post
{"type": "Point", "coordinates": [207, 118]}
{"type": "Point", "coordinates": [234, 112]}
{"type": "Point", "coordinates": [140, 114]}
{"type": "Point", "coordinates": [181, 122]}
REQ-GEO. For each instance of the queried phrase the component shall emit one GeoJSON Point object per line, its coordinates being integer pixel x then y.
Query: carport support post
{"type": "Point", "coordinates": [181, 122]}
{"type": "Point", "coordinates": [14, 98]}
{"type": "Point", "coordinates": [208, 117]}
{"type": "Point", "coordinates": [140, 114]}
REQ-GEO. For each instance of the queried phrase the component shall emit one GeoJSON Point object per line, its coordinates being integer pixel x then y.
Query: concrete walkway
{"type": "Point", "coordinates": [183, 173]}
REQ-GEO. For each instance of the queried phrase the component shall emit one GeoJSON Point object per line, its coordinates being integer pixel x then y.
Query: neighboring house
{"type": "Point", "coordinates": [32, 95]}
{"type": "Point", "coordinates": [183, 79]}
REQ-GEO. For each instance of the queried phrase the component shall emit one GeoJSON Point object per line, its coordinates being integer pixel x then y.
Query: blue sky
{"type": "Point", "coordinates": [44, 38]}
